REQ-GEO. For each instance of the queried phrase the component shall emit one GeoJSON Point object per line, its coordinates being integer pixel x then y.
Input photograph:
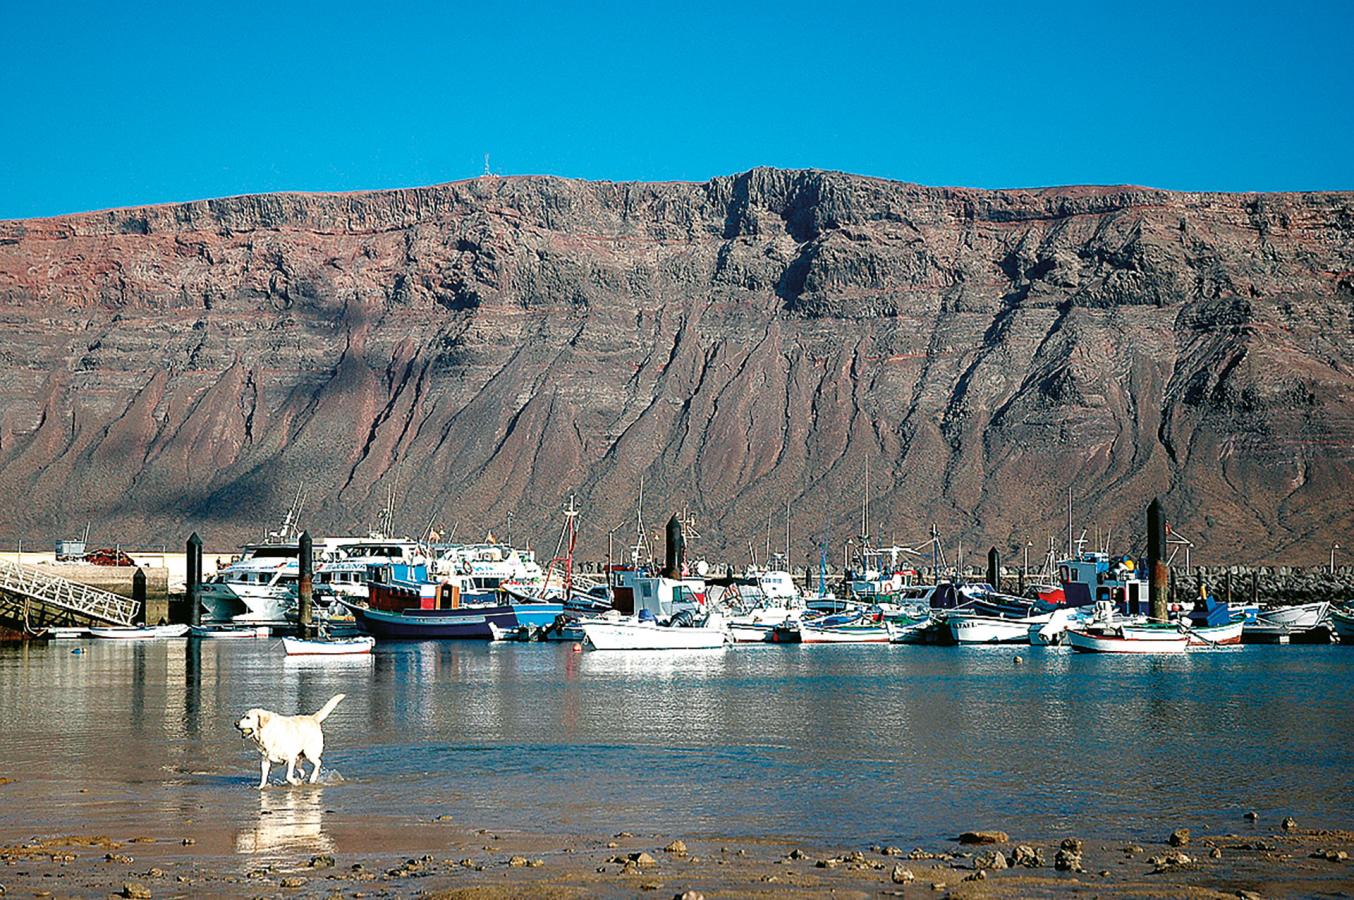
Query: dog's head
{"type": "Point", "coordinates": [252, 721]}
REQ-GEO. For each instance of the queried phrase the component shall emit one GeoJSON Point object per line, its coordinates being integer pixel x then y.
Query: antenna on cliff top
{"type": "Point", "coordinates": [487, 170]}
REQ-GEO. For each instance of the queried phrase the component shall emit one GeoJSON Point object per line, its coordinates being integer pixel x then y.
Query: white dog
{"type": "Point", "coordinates": [285, 739]}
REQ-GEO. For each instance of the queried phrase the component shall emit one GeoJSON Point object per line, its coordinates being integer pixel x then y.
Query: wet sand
{"type": "Point", "coordinates": [456, 860]}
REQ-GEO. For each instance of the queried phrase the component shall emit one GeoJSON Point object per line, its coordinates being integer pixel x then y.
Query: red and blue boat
{"type": "Point", "coordinates": [403, 603]}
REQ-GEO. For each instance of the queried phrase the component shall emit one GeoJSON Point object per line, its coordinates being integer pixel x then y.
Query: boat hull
{"type": "Point", "coordinates": [470, 622]}
{"type": "Point", "coordinates": [154, 632]}
{"type": "Point", "coordinates": [1198, 636]}
{"type": "Point", "coordinates": [1295, 618]}
{"type": "Point", "coordinates": [1087, 642]}
{"type": "Point", "coordinates": [648, 636]}
{"type": "Point", "coordinates": [1343, 625]}
{"type": "Point", "coordinates": [992, 629]}
{"type": "Point", "coordinates": [349, 647]}
{"type": "Point", "coordinates": [844, 634]}
{"type": "Point", "coordinates": [228, 632]}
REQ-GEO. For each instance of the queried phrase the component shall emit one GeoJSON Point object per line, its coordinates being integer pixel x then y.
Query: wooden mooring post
{"type": "Point", "coordinates": [305, 584]}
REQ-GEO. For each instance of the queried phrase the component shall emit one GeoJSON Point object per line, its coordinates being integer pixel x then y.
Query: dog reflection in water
{"type": "Point", "coordinates": [291, 821]}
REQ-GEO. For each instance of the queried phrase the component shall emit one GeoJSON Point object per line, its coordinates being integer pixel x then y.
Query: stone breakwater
{"type": "Point", "coordinates": [1273, 585]}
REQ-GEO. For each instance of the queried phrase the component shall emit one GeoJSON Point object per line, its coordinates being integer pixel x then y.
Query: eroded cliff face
{"type": "Point", "coordinates": [492, 346]}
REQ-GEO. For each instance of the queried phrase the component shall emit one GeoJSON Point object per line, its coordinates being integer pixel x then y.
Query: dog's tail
{"type": "Point", "coordinates": [329, 707]}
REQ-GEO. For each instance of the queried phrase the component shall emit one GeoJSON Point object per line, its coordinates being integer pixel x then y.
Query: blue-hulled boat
{"type": "Point", "coordinates": [403, 603]}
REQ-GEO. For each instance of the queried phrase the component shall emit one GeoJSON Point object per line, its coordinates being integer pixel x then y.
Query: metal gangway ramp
{"type": "Point", "coordinates": [30, 583]}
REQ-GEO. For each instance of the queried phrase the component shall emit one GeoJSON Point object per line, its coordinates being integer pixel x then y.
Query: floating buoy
{"type": "Point", "coordinates": [578, 648]}
{"type": "Point", "coordinates": [1018, 660]}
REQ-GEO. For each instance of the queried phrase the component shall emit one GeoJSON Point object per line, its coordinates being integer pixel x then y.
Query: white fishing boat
{"type": "Point", "coordinates": [1108, 642]}
{"type": "Point", "coordinates": [1302, 617]}
{"type": "Point", "coordinates": [616, 632]}
{"type": "Point", "coordinates": [229, 632]}
{"type": "Point", "coordinates": [860, 629]}
{"type": "Point", "coordinates": [356, 646]}
{"type": "Point", "coordinates": [141, 633]}
{"type": "Point", "coordinates": [1196, 635]}
{"type": "Point", "coordinates": [976, 629]}
{"type": "Point", "coordinates": [65, 633]}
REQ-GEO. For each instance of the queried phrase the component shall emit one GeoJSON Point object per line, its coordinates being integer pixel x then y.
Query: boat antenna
{"type": "Point", "coordinates": [1069, 521]}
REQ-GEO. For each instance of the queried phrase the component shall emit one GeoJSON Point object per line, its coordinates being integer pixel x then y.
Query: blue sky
{"type": "Point", "coordinates": [117, 104]}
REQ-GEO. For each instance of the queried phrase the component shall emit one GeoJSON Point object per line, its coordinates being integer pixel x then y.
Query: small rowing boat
{"type": "Point", "coordinates": [333, 647]}
{"type": "Point", "coordinates": [229, 632]}
{"type": "Point", "coordinates": [1162, 642]}
{"type": "Point", "coordinates": [1342, 621]}
{"type": "Point", "coordinates": [141, 633]}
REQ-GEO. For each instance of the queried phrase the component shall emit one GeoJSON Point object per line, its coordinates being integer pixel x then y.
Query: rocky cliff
{"type": "Point", "coordinates": [489, 347]}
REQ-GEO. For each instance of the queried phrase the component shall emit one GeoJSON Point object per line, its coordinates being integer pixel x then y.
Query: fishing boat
{"type": "Point", "coordinates": [355, 646]}
{"type": "Point", "coordinates": [140, 633]}
{"type": "Point", "coordinates": [65, 633]}
{"type": "Point", "coordinates": [644, 632]}
{"type": "Point", "coordinates": [908, 630]}
{"type": "Point", "coordinates": [1342, 621]}
{"type": "Point", "coordinates": [755, 603]}
{"type": "Point", "coordinates": [229, 632]}
{"type": "Point", "coordinates": [1283, 623]}
{"type": "Point", "coordinates": [1110, 642]}
{"type": "Point", "coordinates": [404, 603]}
{"type": "Point", "coordinates": [843, 628]}
{"type": "Point", "coordinates": [1196, 635]}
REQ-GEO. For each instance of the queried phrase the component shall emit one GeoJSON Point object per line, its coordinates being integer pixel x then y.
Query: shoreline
{"type": "Point", "coordinates": [453, 860]}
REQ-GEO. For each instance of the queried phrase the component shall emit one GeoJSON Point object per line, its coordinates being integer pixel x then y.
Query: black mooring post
{"type": "Point", "coordinates": [194, 579]}
{"type": "Point", "coordinates": [1158, 575]}
{"type": "Point", "coordinates": [994, 569]}
{"type": "Point", "coordinates": [139, 590]}
{"type": "Point", "coordinates": [676, 550]}
{"type": "Point", "coordinates": [305, 588]}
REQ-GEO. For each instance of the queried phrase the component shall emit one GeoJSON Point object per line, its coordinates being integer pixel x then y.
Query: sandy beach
{"type": "Point", "coordinates": [355, 857]}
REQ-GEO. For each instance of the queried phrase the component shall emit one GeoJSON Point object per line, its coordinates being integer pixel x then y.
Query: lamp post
{"type": "Point", "coordinates": [1026, 566]}
{"type": "Point", "coordinates": [1333, 548]}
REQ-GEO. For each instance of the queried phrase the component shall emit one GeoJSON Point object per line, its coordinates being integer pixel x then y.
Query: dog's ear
{"type": "Point", "coordinates": [262, 716]}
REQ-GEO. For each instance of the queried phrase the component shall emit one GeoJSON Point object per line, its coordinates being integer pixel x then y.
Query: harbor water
{"type": "Point", "coordinates": [850, 744]}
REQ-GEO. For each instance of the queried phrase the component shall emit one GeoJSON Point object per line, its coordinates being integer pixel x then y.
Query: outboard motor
{"type": "Point", "coordinates": [682, 619]}
{"type": "Point", "coordinates": [646, 615]}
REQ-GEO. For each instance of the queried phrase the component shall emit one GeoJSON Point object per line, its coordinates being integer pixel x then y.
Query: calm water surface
{"type": "Point", "coordinates": [836, 743]}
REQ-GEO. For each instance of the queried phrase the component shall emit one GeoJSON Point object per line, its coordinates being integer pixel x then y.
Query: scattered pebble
{"type": "Point", "coordinates": [323, 861]}
{"type": "Point", "coordinates": [1027, 856]}
{"type": "Point", "coordinates": [517, 862]}
{"type": "Point", "coordinates": [1289, 823]}
{"type": "Point", "coordinates": [1179, 838]}
{"type": "Point", "coordinates": [689, 895]}
{"type": "Point", "coordinates": [1252, 816]}
{"type": "Point", "coordinates": [901, 875]}
{"type": "Point", "coordinates": [135, 890]}
{"type": "Point", "coordinates": [984, 837]}
{"type": "Point", "coordinates": [677, 847]}
{"type": "Point", "coordinates": [1072, 845]}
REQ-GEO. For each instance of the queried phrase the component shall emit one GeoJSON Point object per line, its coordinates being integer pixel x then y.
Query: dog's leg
{"type": "Point", "coordinates": [263, 779]}
{"type": "Point", "coordinates": [291, 772]}
{"type": "Point", "coordinates": [315, 771]}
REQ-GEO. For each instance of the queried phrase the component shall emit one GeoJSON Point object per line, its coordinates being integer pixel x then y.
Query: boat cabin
{"type": "Point", "coordinates": [396, 587]}
{"type": "Point", "coordinates": [1093, 577]}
